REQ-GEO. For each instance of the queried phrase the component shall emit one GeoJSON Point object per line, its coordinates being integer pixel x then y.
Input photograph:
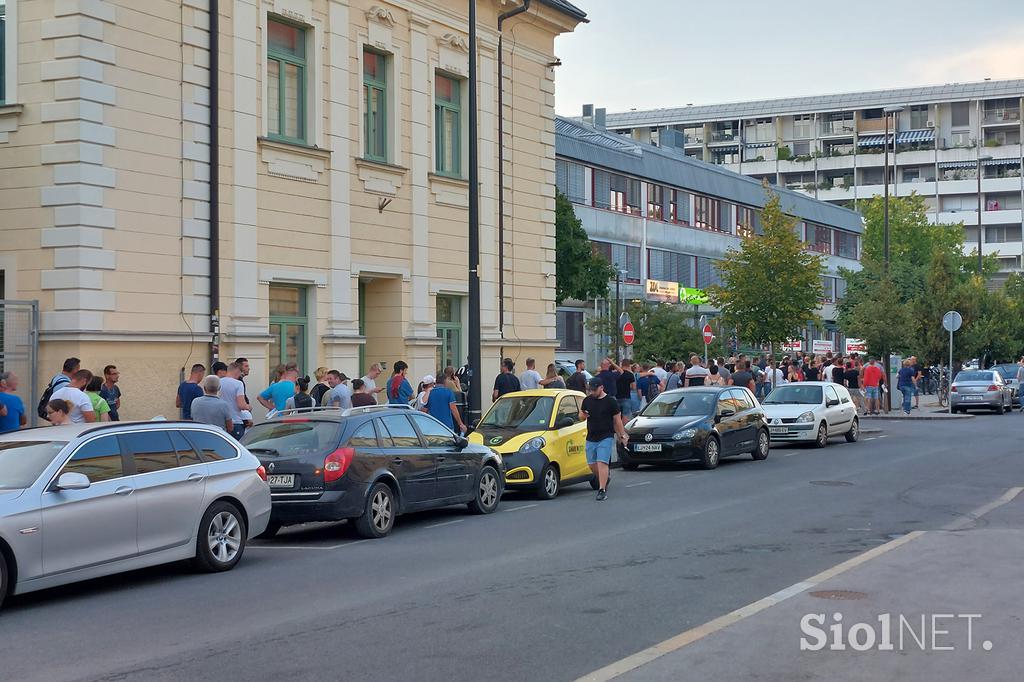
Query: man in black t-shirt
{"type": "Point", "coordinates": [838, 371]}
{"type": "Point", "coordinates": [578, 380]}
{"type": "Point", "coordinates": [742, 376]}
{"type": "Point", "coordinates": [625, 388]}
{"type": "Point", "coordinates": [507, 381]}
{"type": "Point", "coordinates": [604, 420]}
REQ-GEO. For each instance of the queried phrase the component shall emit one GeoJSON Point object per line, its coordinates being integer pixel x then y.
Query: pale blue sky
{"type": "Point", "coordinates": [661, 53]}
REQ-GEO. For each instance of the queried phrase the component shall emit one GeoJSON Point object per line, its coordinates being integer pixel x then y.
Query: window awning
{"type": "Point", "coordinates": [947, 165]}
{"type": "Point", "coordinates": [1001, 162]}
{"type": "Point", "coordinates": [728, 149]}
{"type": "Point", "coordinates": [758, 145]}
{"type": "Point", "coordinates": [903, 137]}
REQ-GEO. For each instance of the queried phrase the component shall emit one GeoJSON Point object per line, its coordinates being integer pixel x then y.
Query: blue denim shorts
{"type": "Point", "coordinates": [600, 451]}
{"type": "Point", "coordinates": [871, 392]}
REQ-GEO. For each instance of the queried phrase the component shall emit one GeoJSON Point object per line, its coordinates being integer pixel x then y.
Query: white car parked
{"type": "Point", "coordinates": [811, 412]}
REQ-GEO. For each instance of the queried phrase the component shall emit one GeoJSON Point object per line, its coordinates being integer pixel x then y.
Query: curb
{"type": "Point", "coordinates": [921, 417]}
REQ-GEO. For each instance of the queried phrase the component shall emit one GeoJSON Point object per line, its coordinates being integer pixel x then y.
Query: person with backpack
{"type": "Point", "coordinates": [302, 399]}
{"type": "Point", "coordinates": [71, 365]}
{"type": "Point", "coordinates": [399, 388]}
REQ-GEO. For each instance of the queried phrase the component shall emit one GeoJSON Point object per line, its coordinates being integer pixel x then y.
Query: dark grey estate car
{"type": "Point", "coordinates": [369, 464]}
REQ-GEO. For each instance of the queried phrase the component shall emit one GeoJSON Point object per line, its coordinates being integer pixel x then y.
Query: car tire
{"type": "Point", "coordinates": [712, 454]}
{"type": "Point", "coordinates": [627, 465]}
{"type": "Point", "coordinates": [762, 446]}
{"type": "Point", "coordinates": [488, 491]}
{"type": "Point", "coordinates": [549, 482]}
{"type": "Point", "coordinates": [272, 529]}
{"type": "Point", "coordinates": [821, 440]}
{"type": "Point", "coordinates": [853, 435]}
{"type": "Point", "coordinates": [379, 514]}
{"type": "Point", "coordinates": [221, 540]}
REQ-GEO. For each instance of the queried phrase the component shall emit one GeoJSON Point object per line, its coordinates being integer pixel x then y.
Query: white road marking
{"type": "Point", "coordinates": [445, 523]}
{"type": "Point", "coordinates": [971, 517]}
{"type": "Point", "coordinates": [685, 475]}
{"type": "Point", "coordinates": [320, 547]}
{"type": "Point", "coordinates": [790, 454]}
{"type": "Point", "coordinates": [634, 485]}
{"type": "Point", "coordinates": [525, 506]}
{"type": "Point", "coordinates": [860, 530]}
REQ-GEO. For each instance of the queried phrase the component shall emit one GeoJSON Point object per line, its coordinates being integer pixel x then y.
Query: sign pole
{"type": "Point", "coordinates": [949, 397]}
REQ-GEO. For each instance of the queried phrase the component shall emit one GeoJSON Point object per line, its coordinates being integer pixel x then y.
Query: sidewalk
{"type": "Point", "coordinates": [964, 581]}
{"type": "Point", "coordinates": [929, 409]}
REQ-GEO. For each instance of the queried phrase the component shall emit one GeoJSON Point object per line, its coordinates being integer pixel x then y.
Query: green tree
{"type": "Point", "coordinates": [883, 321]}
{"type": "Point", "coordinates": [771, 286]}
{"type": "Point", "coordinates": [663, 331]}
{"type": "Point", "coordinates": [580, 273]}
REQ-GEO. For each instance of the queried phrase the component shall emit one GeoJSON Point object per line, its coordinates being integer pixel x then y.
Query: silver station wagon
{"type": "Point", "coordinates": [85, 500]}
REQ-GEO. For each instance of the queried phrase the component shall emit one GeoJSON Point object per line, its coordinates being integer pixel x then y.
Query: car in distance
{"type": "Point", "coordinates": [84, 500]}
{"type": "Point", "coordinates": [980, 388]}
{"type": "Point", "coordinates": [700, 423]}
{"type": "Point", "coordinates": [541, 440]}
{"type": "Point", "coordinates": [1008, 371]}
{"type": "Point", "coordinates": [369, 465]}
{"type": "Point", "coordinates": [811, 412]}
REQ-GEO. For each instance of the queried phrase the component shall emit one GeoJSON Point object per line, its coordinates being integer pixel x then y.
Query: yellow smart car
{"type": "Point", "coordinates": [541, 438]}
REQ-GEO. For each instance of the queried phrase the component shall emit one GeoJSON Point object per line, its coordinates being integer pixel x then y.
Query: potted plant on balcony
{"type": "Point", "coordinates": [785, 153]}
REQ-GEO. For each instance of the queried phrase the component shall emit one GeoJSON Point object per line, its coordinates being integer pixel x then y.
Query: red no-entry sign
{"type": "Point", "coordinates": [628, 333]}
{"type": "Point", "coordinates": [708, 336]}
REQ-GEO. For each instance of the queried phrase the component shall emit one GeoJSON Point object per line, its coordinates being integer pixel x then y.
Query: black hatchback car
{"type": "Point", "coordinates": [369, 464]}
{"type": "Point", "coordinates": [702, 423]}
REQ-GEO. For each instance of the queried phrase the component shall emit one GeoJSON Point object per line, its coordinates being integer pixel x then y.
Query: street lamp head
{"type": "Point", "coordinates": [985, 157]}
{"type": "Point", "coordinates": [895, 109]}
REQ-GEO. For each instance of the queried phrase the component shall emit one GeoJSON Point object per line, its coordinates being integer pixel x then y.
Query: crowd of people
{"type": "Point", "coordinates": [73, 396]}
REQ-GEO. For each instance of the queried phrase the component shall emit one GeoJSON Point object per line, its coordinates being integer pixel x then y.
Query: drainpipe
{"type": "Point", "coordinates": [214, 30]}
{"type": "Point", "coordinates": [501, 163]}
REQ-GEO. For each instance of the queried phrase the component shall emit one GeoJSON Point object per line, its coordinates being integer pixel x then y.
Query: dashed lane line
{"type": "Point", "coordinates": [637, 485]}
{"type": "Point", "coordinates": [445, 523]}
{"type": "Point", "coordinates": [525, 506]}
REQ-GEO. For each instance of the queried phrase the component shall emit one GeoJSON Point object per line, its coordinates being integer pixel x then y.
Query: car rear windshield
{"type": "Point", "coordinates": [974, 376]}
{"type": "Point", "coordinates": [526, 413]}
{"type": "Point", "coordinates": [292, 437]}
{"type": "Point", "coordinates": [21, 462]}
{"type": "Point", "coordinates": [794, 395]}
{"type": "Point", "coordinates": [681, 404]}
{"type": "Point", "coordinates": [1008, 372]}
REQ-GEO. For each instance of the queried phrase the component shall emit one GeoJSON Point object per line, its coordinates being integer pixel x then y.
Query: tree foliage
{"type": "Point", "coordinates": [579, 273]}
{"type": "Point", "coordinates": [771, 286]}
{"type": "Point", "coordinates": [663, 331]}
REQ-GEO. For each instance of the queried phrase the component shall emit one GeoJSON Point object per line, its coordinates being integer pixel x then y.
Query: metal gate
{"type": "Point", "coordinates": [19, 330]}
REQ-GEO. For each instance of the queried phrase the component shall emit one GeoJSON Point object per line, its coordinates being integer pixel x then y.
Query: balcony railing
{"type": "Point", "coordinates": [837, 128]}
{"type": "Point", "coordinates": [871, 125]}
{"type": "Point", "coordinates": [724, 135]}
{"type": "Point", "coordinates": [1002, 116]}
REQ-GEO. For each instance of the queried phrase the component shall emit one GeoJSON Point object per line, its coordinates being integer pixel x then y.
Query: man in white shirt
{"type": "Point", "coordinates": [72, 393]}
{"type": "Point", "coordinates": [697, 374]}
{"type": "Point", "coordinates": [232, 392]}
{"type": "Point", "coordinates": [530, 379]}
{"type": "Point", "coordinates": [340, 394]}
{"type": "Point", "coordinates": [370, 380]}
{"type": "Point", "coordinates": [659, 371]}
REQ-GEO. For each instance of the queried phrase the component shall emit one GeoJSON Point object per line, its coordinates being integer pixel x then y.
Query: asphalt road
{"type": "Point", "coordinates": [536, 591]}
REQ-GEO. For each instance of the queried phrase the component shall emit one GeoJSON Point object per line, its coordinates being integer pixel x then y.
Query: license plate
{"type": "Point", "coordinates": [973, 397]}
{"type": "Point", "coordinates": [778, 429]}
{"type": "Point", "coordinates": [281, 480]}
{"type": "Point", "coordinates": [647, 447]}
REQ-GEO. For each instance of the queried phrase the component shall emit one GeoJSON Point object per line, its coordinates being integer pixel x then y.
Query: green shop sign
{"type": "Point", "coordinates": [691, 296]}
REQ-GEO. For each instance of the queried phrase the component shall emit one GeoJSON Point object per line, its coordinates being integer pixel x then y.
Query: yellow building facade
{"type": "Point", "coordinates": [337, 214]}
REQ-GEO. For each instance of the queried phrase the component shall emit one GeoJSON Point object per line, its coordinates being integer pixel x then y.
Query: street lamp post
{"type": "Point", "coordinates": [980, 258]}
{"type": "Point", "coordinates": [885, 226]}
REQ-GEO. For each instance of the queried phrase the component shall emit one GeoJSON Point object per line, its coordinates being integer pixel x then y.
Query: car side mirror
{"type": "Point", "coordinates": [831, 403]}
{"type": "Point", "coordinates": [73, 481]}
{"type": "Point", "coordinates": [461, 443]}
{"type": "Point", "coordinates": [723, 414]}
{"type": "Point", "coordinates": [564, 422]}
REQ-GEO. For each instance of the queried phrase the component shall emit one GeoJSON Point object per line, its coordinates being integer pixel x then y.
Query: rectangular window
{"type": "Point", "coordinates": [707, 273]}
{"type": "Point", "coordinates": [1002, 234]}
{"type": "Point", "coordinates": [960, 113]}
{"type": "Point", "coordinates": [570, 178]}
{"type": "Point", "coordinates": [872, 114]}
{"type": "Point", "coordinates": [828, 292]}
{"type": "Point", "coordinates": [668, 266]}
{"type": "Point", "coordinates": [569, 330]}
{"type": "Point", "coordinates": [846, 244]}
{"type": "Point", "coordinates": [803, 126]}
{"type": "Point", "coordinates": [679, 207]}
{"type": "Point", "coordinates": [375, 105]}
{"type": "Point", "coordinates": [655, 202]}
{"type": "Point", "coordinates": [746, 221]}
{"type": "Point", "coordinates": [820, 238]}
{"type": "Point", "coordinates": [707, 212]}
{"type": "Point", "coordinates": [286, 81]}
{"type": "Point", "coordinates": [447, 125]}
{"type": "Point", "coordinates": [288, 322]}
{"type": "Point", "coordinates": [625, 257]}
{"type": "Point", "coordinates": [616, 192]}
{"type": "Point", "coordinates": [918, 117]}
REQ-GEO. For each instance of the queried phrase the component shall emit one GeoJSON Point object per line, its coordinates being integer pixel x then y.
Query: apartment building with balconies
{"type": "Point", "coordinates": [832, 147]}
{"type": "Point", "coordinates": [665, 220]}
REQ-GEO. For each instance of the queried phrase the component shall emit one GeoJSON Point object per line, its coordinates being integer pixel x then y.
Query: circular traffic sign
{"type": "Point", "coordinates": [708, 335]}
{"type": "Point", "coordinates": [952, 320]}
{"type": "Point", "coordinates": [628, 333]}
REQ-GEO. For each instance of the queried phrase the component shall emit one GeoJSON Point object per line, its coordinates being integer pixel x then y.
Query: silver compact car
{"type": "Point", "coordinates": [980, 388]}
{"type": "Point", "coordinates": [85, 500]}
{"type": "Point", "coordinates": [811, 412]}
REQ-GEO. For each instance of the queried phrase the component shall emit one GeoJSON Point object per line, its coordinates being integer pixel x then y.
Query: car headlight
{"type": "Point", "coordinates": [805, 418]}
{"type": "Point", "coordinates": [533, 444]}
{"type": "Point", "coordinates": [683, 434]}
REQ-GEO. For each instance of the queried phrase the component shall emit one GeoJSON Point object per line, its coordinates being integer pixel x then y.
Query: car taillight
{"type": "Point", "coordinates": [336, 463]}
{"type": "Point", "coordinates": [261, 472]}
{"type": "Point", "coordinates": [952, 389]}
{"type": "Point", "coordinates": [993, 387]}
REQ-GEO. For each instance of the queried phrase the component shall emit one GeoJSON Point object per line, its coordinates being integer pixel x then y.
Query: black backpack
{"type": "Point", "coordinates": [57, 382]}
{"type": "Point", "coordinates": [303, 400]}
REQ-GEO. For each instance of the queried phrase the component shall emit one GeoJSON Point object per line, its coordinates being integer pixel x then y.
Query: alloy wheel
{"type": "Point", "coordinates": [224, 537]}
{"type": "Point", "coordinates": [550, 482]}
{"type": "Point", "coordinates": [380, 511]}
{"type": "Point", "coordinates": [489, 488]}
{"type": "Point", "coordinates": [712, 452]}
